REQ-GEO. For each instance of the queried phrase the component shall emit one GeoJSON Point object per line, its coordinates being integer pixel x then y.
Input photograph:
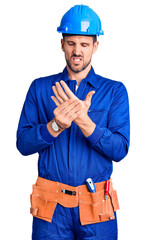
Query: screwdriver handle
{"type": "Point", "coordinates": [107, 188]}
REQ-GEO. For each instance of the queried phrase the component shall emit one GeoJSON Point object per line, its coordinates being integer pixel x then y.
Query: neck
{"type": "Point", "coordinates": [78, 76]}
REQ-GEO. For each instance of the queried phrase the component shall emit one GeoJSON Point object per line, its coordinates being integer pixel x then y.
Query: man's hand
{"type": "Point", "coordinates": [82, 120]}
{"type": "Point", "coordinates": [62, 96]}
{"type": "Point", "coordinates": [66, 112]}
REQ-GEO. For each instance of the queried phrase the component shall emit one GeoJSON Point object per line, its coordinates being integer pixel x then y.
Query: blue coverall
{"type": "Point", "coordinates": [71, 158]}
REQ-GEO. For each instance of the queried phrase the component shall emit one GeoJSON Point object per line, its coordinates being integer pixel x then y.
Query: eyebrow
{"type": "Point", "coordinates": [85, 43]}
{"type": "Point", "coordinates": [70, 41]}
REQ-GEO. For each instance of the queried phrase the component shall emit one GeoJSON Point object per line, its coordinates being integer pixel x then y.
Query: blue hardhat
{"type": "Point", "coordinates": [81, 20]}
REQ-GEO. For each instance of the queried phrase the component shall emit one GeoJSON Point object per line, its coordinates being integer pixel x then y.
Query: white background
{"type": "Point", "coordinates": [30, 48]}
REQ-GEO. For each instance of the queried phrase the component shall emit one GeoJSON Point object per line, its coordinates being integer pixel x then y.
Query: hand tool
{"type": "Point", "coordinates": [107, 188]}
{"type": "Point", "coordinates": [90, 185]}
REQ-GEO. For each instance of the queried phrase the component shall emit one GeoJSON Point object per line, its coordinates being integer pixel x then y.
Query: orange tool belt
{"type": "Point", "coordinates": [93, 207]}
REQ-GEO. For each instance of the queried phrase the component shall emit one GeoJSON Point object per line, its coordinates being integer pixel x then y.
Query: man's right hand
{"type": "Point", "coordinates": [65, 113]}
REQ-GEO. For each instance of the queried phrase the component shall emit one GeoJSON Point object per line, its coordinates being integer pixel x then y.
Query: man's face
{"type": "Point", "coordinates": [78, 52]}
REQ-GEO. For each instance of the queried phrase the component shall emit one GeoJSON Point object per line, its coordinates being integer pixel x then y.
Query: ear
{"type": "Point", "coordinates": [95, 47]}
{"type": "Point", "coordinates": [62, 45]}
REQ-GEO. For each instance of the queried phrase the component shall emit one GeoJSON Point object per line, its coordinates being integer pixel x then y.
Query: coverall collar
{"type": "Point", "coordinates": [91, 78]}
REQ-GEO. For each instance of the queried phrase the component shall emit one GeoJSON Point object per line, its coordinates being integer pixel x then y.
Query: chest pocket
{"type": "Point", "coordinates": [98, 116]}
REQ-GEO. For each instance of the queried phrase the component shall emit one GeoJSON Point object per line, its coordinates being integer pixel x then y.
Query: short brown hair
{"type": "Point", "coordinates": [93, 36]}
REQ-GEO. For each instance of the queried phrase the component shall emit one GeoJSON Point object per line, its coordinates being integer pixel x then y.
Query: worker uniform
{"type": "Point", "coordinates": [71, 157]}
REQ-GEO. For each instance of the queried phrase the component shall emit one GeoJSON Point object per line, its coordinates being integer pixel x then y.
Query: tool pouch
{"type": "Point", "coordinates": [94, 208]}
{"type": "Point", "coordinates": [42, 204]}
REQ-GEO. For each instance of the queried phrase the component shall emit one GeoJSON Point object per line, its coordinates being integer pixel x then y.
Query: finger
{"type": "Point", "coordinates": [72, 105]}
{"type": "Point", "coordinates": [67, 90]}
{"type": "Point", "coordinates": [88, 97]}
{"type": "Point", "coordinates": [57, 95]}
{"type": "Point", "coordinates": [63, 105]}
{"type": "Point", "coordinates": [55, 101]}
{"type": "Point", "coordinates": [75, 115]}
{"type": "Point", "coordinates": [61, 92]}
{"type": "Point", "coordinates": [73, 108]}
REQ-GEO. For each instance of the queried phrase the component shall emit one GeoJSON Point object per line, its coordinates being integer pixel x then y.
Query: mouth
{"type": "Point", "coordinates": [76, 60]}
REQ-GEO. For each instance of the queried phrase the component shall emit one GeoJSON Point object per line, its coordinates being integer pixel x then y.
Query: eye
{"type": "Point", "coordinates": [84, 44]}
{"type": "Point", "coordinates": [70, 43]}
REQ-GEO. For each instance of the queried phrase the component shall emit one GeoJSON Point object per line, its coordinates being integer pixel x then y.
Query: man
{"type": "Point", "coordinates": [78, 122]}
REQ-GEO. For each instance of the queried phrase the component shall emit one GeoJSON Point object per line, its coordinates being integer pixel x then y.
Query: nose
{"type": "Point", "coordinates": [77, 49]}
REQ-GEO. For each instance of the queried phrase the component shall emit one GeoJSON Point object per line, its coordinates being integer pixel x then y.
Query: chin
{"type": "Point", "coordinates": [77, 68]}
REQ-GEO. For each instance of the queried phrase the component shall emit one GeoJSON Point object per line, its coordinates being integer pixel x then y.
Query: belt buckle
{"type": "Point", "coordinates": [68, 192]}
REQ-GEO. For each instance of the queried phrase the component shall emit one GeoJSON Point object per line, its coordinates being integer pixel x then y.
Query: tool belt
{"type": "Point", "coordinates": [93, 207]}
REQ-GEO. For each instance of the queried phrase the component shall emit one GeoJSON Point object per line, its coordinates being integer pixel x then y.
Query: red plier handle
{"type": "Point", "coordinates": [107, 188]}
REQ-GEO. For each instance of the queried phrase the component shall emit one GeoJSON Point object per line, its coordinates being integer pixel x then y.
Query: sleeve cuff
{"type": "Point", "coordinates": [96, 135]}
{"type": "Point", "coordinates": [46, 135]}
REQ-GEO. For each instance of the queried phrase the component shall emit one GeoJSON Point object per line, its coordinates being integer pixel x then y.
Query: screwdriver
{"type": "Point", "coordinates": [107, 187]}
